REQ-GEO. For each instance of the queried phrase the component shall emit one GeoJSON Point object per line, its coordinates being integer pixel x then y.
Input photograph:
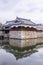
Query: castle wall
{"type": "Point", "coordinates": [25, 34]}
{"type": "Point", "coordinates": [1, 33]}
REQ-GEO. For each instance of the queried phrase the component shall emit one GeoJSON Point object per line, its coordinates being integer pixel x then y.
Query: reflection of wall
{"type": "Point", "coordinates": [25, 43]}
{"type": "Point", "coordinates": [39, 40]}
{"type": "Point", "coordinates": [8, 43]}
{"type": "Point", "coordinates": [17, 53]}
{"type": "Point", "coordinates": [25, 34]}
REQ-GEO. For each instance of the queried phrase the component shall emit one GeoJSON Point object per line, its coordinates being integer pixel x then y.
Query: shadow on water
{"type": "Point", "coordinates": [21, 48]}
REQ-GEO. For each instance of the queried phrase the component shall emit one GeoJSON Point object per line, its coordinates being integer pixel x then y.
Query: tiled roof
{"type": "Point", "coordinates": [24, 21]}
{"type": "Point", "coordinates": [19, 21]}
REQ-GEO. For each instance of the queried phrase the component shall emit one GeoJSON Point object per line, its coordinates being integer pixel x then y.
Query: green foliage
{"type": "Point", "coordinates": [1, 25]}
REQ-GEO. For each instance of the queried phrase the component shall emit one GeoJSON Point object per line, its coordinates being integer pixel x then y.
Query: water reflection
{"type": "Point", "coordinates": [21, 52]}
{"type": "Point", "coordinates": [6, 58]}
{"type": "Point", "coordinates": [21, 48]}
{"type": "Point", "coordinates": [25, 43]}
{"type": "Point", "coordinates": [18, 52]}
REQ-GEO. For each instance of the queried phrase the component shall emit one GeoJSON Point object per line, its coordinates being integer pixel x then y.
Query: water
{"type": "Point", "coordinates": [21, 52]}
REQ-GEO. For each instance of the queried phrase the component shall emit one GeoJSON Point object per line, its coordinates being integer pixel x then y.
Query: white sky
{"type": "Point", "coordinates": [29, 9]}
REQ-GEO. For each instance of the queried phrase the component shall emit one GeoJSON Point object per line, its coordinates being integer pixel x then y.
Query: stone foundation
{"type": "Point", "coordinates": [25, 34]}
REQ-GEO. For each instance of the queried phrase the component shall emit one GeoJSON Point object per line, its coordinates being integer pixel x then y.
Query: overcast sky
{"type": "Point", "coordinates": [29, 9]}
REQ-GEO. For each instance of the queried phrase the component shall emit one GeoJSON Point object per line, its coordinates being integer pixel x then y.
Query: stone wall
{"type": "Point", "coordinates": [25, 34]}
{"type": "Point", "coordinates": [39, 34]}
{"type": "Point", "coordinates": [1, 33]}
{"type": "Point", "coordinates": [6, 35]}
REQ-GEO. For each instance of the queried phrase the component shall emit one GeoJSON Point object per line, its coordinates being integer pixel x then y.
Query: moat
{"type": "Point", "coordinates": [21, 52]}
